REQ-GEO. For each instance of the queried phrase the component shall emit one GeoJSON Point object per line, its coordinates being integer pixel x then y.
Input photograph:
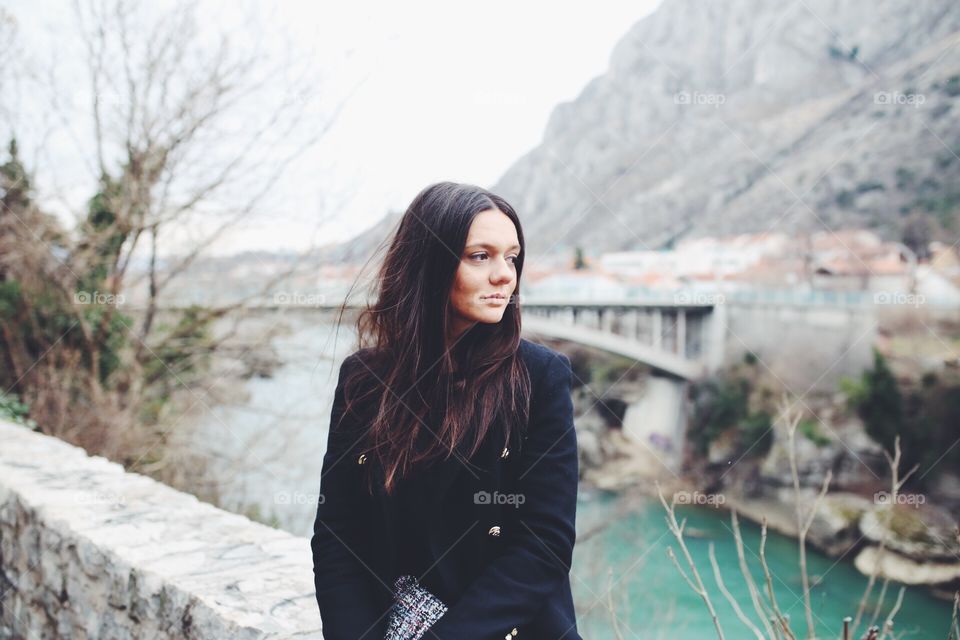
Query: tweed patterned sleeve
{"type": "Point", "coordinates": [413, 611]}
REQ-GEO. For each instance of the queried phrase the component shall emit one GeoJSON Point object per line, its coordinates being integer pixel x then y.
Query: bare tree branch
{"type": "Point", "coordinates": [804, 522]}
{"type": "Point", "coordinates": [677, 531]}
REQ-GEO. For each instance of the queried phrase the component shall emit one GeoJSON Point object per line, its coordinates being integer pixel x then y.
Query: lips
{"type": "Point", "coordinates": [498, 296]}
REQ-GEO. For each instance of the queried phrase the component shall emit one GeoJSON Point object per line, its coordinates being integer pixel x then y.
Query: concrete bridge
{"type": "Point", "coordinates": [678, 338]}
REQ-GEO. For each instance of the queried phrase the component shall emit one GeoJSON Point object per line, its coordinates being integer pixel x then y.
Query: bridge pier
{"type": "Point", "coordinates": [716, 330]}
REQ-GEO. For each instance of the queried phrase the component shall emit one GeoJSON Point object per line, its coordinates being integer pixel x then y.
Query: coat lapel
{"type": "Point", "coordinates": [441, 478]}
{"type": "Point", "coordinates": [442, 475]}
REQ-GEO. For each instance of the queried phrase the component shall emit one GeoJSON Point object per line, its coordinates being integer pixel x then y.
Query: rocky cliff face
{"type": "Point", "coordinates": [750, 115]}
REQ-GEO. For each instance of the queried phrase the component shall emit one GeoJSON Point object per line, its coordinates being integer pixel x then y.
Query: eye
{"type": "Point", "coordinates": [482, 255]}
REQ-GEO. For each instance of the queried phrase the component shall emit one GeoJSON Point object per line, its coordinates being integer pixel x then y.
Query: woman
{"type": "Point", "coordinates": [448, 490]}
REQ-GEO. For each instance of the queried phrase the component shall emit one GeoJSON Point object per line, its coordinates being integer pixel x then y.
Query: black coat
{"type": "Point", "coordinates": [502, 569]}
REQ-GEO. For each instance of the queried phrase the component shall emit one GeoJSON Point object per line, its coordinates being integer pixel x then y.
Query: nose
{"type": "Point", "coordinates": [502, 272]}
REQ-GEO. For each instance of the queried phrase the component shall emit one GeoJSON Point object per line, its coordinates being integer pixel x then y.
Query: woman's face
{"type": "Point", "coordinates": [487, 270]}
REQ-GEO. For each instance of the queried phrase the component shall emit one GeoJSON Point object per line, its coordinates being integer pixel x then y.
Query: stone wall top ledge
{"type": "Point", "coordinates": [88, 550]}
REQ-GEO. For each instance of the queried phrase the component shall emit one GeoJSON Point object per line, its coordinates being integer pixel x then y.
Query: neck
{"type": "Point", "coordinates": [456, 333]}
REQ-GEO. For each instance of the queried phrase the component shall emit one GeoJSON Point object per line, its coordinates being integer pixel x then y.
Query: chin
{"type": "Point", "coordinates": [490, 319]}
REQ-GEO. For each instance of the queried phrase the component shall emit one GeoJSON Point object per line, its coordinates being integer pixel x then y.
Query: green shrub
{"type": "Point", "coordinates": [923, 413]}
{"type": "Point", "coordinates": [15, 411]}
{"type": "Point", "coordinates": [722, 403]}
{"type": "Point", "coordinates": [810, 429]}
{"type": "Point", "coordinates": [756, 434]}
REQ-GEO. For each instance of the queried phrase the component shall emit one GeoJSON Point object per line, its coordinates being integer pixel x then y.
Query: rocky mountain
{"type": "Point", "coordinates": [749, 115]}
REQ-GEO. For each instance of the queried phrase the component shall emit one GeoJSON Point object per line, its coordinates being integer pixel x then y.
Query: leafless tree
{"type": "Point", "coordinates": [190, 132]}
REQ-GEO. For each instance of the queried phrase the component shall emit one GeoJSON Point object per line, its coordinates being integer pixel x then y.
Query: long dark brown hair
{"type": "Point", "coordinates": [418, 398]}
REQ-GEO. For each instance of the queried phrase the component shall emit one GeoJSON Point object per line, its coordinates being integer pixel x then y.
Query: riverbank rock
{"type": "Point", "coordinates": [723, 448]}
{"type": "Point", "coordinates": [834, 529]}
{"type": "Point", "coordinates": [609, 458]}
{"type": "Point", "coordinates": [613, 461]}
{"type": "Point", "coordinates": [921, 547]}
{"type": "Point", "coordinates": [780, 517]}
{"type": "Point", "coordinates": [917, 531]}
{"type": "Point", "coordinates": [590, 429]}
{"type": "Point", "coordinates": [846, 450]}
{"type": "Point", "coordinates": [946, 491]}
{"type": "Point", "coordinates": [860, 461]}
{"type": "Point", "coordinates": [893, 566]}
{"type": "Point", "coordinates": [630, 465]}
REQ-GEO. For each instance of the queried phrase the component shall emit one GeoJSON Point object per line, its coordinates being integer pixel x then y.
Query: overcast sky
{"type": "Point", "coordinates": [440, 91]}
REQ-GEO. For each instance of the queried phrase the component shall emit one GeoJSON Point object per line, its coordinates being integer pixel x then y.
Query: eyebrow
{"type": "Point", "coordinates": [490, 246]}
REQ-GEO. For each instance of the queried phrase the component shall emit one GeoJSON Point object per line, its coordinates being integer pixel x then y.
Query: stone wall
{"type": "Point", "coordinates": [88, 550]}
{"type": "Point", "coordinates": [802, 345]}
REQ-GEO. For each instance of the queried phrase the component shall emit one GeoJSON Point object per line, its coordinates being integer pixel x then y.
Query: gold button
{"type": "Point", "coordinates": [505, 453]}
{"type": "Point", "coordinates": [362, 458]}
{"type": "Point", "coordinates": [494, 531]}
